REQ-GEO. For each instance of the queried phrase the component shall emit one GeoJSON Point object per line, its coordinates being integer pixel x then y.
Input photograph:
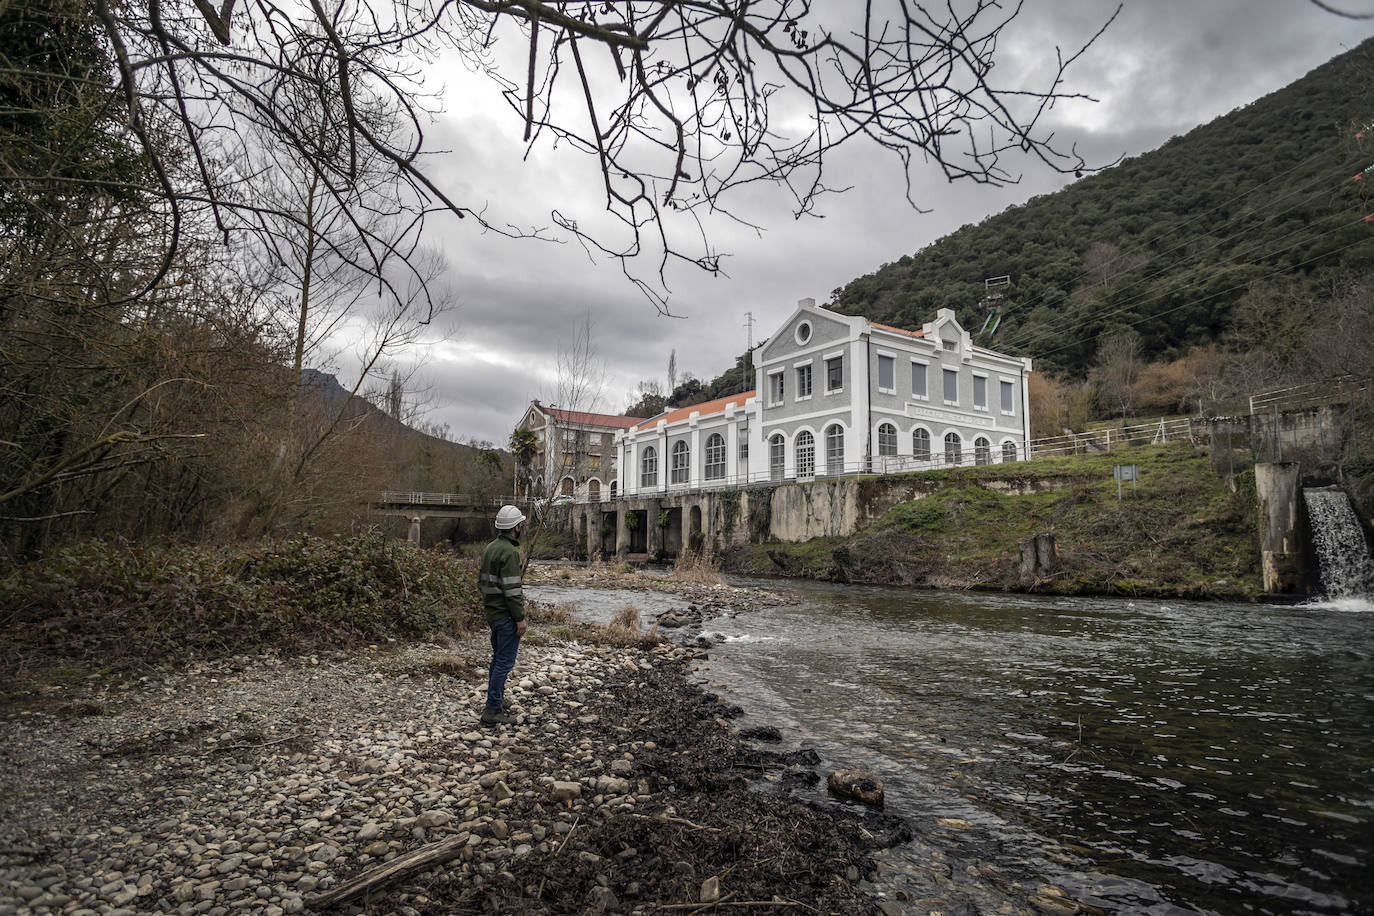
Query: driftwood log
{"type": "Point", "coordinates": [416, 860]}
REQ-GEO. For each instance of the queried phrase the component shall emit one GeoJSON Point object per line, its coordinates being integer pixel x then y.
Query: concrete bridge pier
{"type": "Point", "coordinates": [655, 533]}
{"type": "Point", "coordinates": [622, 533]}
{"type": "Point", "coordinates": [593, 520]}
{"type": "Point", "coordinates": [414, 536]}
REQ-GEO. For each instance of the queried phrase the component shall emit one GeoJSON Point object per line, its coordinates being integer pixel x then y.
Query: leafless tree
{"type": "Point", "coordinates": [678, 102]}
{"type": "Point", "coordinates": [1119, 362]}
{"type": "Point", "coordinates": [1105, 263]}
{"type": "Point", "coordinates": [580, 388]}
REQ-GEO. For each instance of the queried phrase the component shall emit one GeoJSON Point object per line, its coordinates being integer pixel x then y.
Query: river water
{"type": "Point", "coordinates": [1144, 756]}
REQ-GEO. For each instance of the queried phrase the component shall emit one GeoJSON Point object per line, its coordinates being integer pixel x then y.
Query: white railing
{"type": "Point", "coordinates": [420, 498]}
{"type": "Point", "coordinates": [1103, 440]}
{"type": "Point", "coordinates": [417, 498]}
{"type": "Point", "coordinates": [872, 467]}
{"type": "Point", "coordinates": [1106, 440]}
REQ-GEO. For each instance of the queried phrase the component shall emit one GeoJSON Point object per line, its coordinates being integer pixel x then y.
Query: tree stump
{"type": "Point", "coordinates": [1038, 557]}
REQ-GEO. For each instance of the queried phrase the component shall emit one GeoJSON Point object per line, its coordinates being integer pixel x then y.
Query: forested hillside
{"type": "Point", "coordinates": [1256, 211]}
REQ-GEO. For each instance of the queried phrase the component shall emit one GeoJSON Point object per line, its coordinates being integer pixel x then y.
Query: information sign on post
{"type": "Point", "coordinates": [1122, 472]}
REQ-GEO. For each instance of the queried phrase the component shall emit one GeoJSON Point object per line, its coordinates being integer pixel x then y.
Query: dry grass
{"type": "Point", "coordinates": [625, 623]}
{"type": "Point", "coordinates": [696, 569]}
{"type": "Point", "coordinates": [452, 665]}
{"type": "Point", "coordinates": [624, 629]}
{"type": "Point", "coordinates": [547, 614]}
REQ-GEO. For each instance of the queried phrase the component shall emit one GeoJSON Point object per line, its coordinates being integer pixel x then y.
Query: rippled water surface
{"type": "Point", "coordinates": [1146, 756]}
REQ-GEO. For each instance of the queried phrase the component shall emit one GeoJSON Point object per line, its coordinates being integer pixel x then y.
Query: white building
{"type": "Point", "coordinates": [840, 395]}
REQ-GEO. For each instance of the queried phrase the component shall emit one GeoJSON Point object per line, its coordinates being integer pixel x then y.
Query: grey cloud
{"type": "Point", "coordinates": [1163, 68]}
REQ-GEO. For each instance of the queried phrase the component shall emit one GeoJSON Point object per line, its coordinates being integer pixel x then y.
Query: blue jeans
{"type": "Point", "coordinates": [505, 642]}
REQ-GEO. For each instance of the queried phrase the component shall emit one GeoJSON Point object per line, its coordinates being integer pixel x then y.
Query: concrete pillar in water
{"type": "Point", "coordinates": [622, 533]}
{"type": "Point", "coordinates": [1281, 556]}
{"type": "Point", "coordinates": [414, 536]}
{"type": "Point", "coordinates": [655, 533]}
{"type": "Point", "coordinates": [593, 516]}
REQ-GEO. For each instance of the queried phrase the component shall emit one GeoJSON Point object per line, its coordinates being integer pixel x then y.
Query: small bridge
{"type": "Point", "coordinates": [444, 505]}
{"type": "Point", "coordinates": [416, 506]}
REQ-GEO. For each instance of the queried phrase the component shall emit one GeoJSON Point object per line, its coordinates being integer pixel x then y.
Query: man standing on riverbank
{"type": "Point", "coordinates": [498, 578]}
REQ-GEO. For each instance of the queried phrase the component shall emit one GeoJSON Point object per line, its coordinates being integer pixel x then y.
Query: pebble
{"type": "Point", "coordinates": [345, 751]}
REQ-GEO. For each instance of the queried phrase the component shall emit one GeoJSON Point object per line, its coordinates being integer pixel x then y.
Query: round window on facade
{"type": "Point", "coordinates": [803, 332]}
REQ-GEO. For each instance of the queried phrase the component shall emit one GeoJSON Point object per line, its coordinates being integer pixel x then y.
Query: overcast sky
{"type": "Point", "coordinates": [1164, 67]}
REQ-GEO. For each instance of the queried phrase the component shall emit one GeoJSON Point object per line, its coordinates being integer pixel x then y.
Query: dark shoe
{"type": "Point", "coordinates": [495, 717]}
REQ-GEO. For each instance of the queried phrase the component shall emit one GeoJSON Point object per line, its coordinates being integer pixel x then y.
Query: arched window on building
{"type": "Point", "coordinates": [1008, 451]}
{"type": "Point", "coordinates": [777, 456]}
{"type": "Point", "coordinates": [682, 462]}
{"type": "Point", "coordinates": [920, 444]}
{"type": "Point", "coordinates": [887, 440]}
{"type": "Point", "coordinates": [566, 488]}
{"type": "Point", "coordinates": [954, 449]}
{"type": "Point", "coordinates": [715, 457]}
{"type": "Point", "coordinates": [806, 454]}
{"type": "Point", "coordinates": [615, 487]}
{"type": "Point", "coordinates": [982, 451]}
{"type": "Point", "coordinates": [593, 491]}
{"type": "Point", "coordinates": [834, 449]}
{"type": "Point", "coordinates": [648, 467]}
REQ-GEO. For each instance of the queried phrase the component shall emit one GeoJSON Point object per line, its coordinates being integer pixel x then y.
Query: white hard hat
{"type": "Point", "coordinates": [508, 518]}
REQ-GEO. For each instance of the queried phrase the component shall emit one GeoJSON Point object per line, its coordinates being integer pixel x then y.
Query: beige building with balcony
{"type": "Point", "coordinates": [575, 451]}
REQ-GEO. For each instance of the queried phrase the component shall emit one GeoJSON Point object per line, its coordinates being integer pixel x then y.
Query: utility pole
{"type": "Point", "coordinates": [749, 352]}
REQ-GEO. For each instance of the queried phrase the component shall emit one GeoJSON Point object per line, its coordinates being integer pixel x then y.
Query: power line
{"type": "Point", "coordinates": [1228, 290]}
{"type": "Point", "coordinates": [1056, 327]}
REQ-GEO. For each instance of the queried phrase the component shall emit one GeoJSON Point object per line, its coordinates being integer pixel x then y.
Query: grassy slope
{"type": "Point", "coordinates": [1184, 533]}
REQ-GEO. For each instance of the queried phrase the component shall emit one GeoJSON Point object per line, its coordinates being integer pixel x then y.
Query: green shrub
{"type": "Point", "coordinates": [124, 604]}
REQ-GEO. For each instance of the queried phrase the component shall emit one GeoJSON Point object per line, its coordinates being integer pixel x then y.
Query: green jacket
{"type": "Point", "coordinates": [498, 578]}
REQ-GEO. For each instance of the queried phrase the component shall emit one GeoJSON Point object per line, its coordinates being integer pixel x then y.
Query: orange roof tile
{"type": "Point", "coordinates": [705, 409]}
{"type": "Point", "coordinates": [593, 419]}
{"type": "Point", "coordinates": [887, 327]}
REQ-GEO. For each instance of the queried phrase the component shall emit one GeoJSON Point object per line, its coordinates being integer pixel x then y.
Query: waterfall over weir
{"type": "Point", "coordinates": [1342, 554]}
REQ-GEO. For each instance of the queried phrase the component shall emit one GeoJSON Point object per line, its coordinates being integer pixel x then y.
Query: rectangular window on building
{"type": "Point", "coordinates": [980, 392]}
{"type": "Point", "coordinates": [951, 386]}
{"type": "Point", "coordinates": [681, 467]}
{"type": "Point", "coordinates": [775, 389]}
{"type": "Point", "coordinates": [918, 381]}
{"type": "Point", "coordinates": [1008, 406]}
{"type": "Point", "coordinates": [743, 449]}
{"type": "Point", "coordinates": [594, 462]}
{"type": "Point", "coordinates": [803, 382]}
{"type": "Point", "coordinates": [834, 374]}
{"type": "Point", "coordinates": [886, 374]}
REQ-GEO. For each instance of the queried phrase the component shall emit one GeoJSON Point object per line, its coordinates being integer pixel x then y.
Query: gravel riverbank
{"type": "Point", "coordinates": [256, 784]}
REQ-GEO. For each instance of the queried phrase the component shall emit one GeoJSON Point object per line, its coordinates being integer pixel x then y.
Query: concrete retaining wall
{"type": "Point", "coordinates": [790, 512]}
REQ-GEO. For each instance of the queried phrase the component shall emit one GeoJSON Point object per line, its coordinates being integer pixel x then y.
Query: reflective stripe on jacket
{"type": "Point", "coordinates": [498, 579]}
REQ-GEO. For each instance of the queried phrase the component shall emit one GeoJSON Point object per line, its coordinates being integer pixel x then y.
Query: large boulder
{"type": "Point", "coordinates": [859, 785]}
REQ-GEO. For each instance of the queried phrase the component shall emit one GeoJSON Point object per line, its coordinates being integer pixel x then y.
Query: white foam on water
{"type": "Point", "coordinates": [1356, 604]}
